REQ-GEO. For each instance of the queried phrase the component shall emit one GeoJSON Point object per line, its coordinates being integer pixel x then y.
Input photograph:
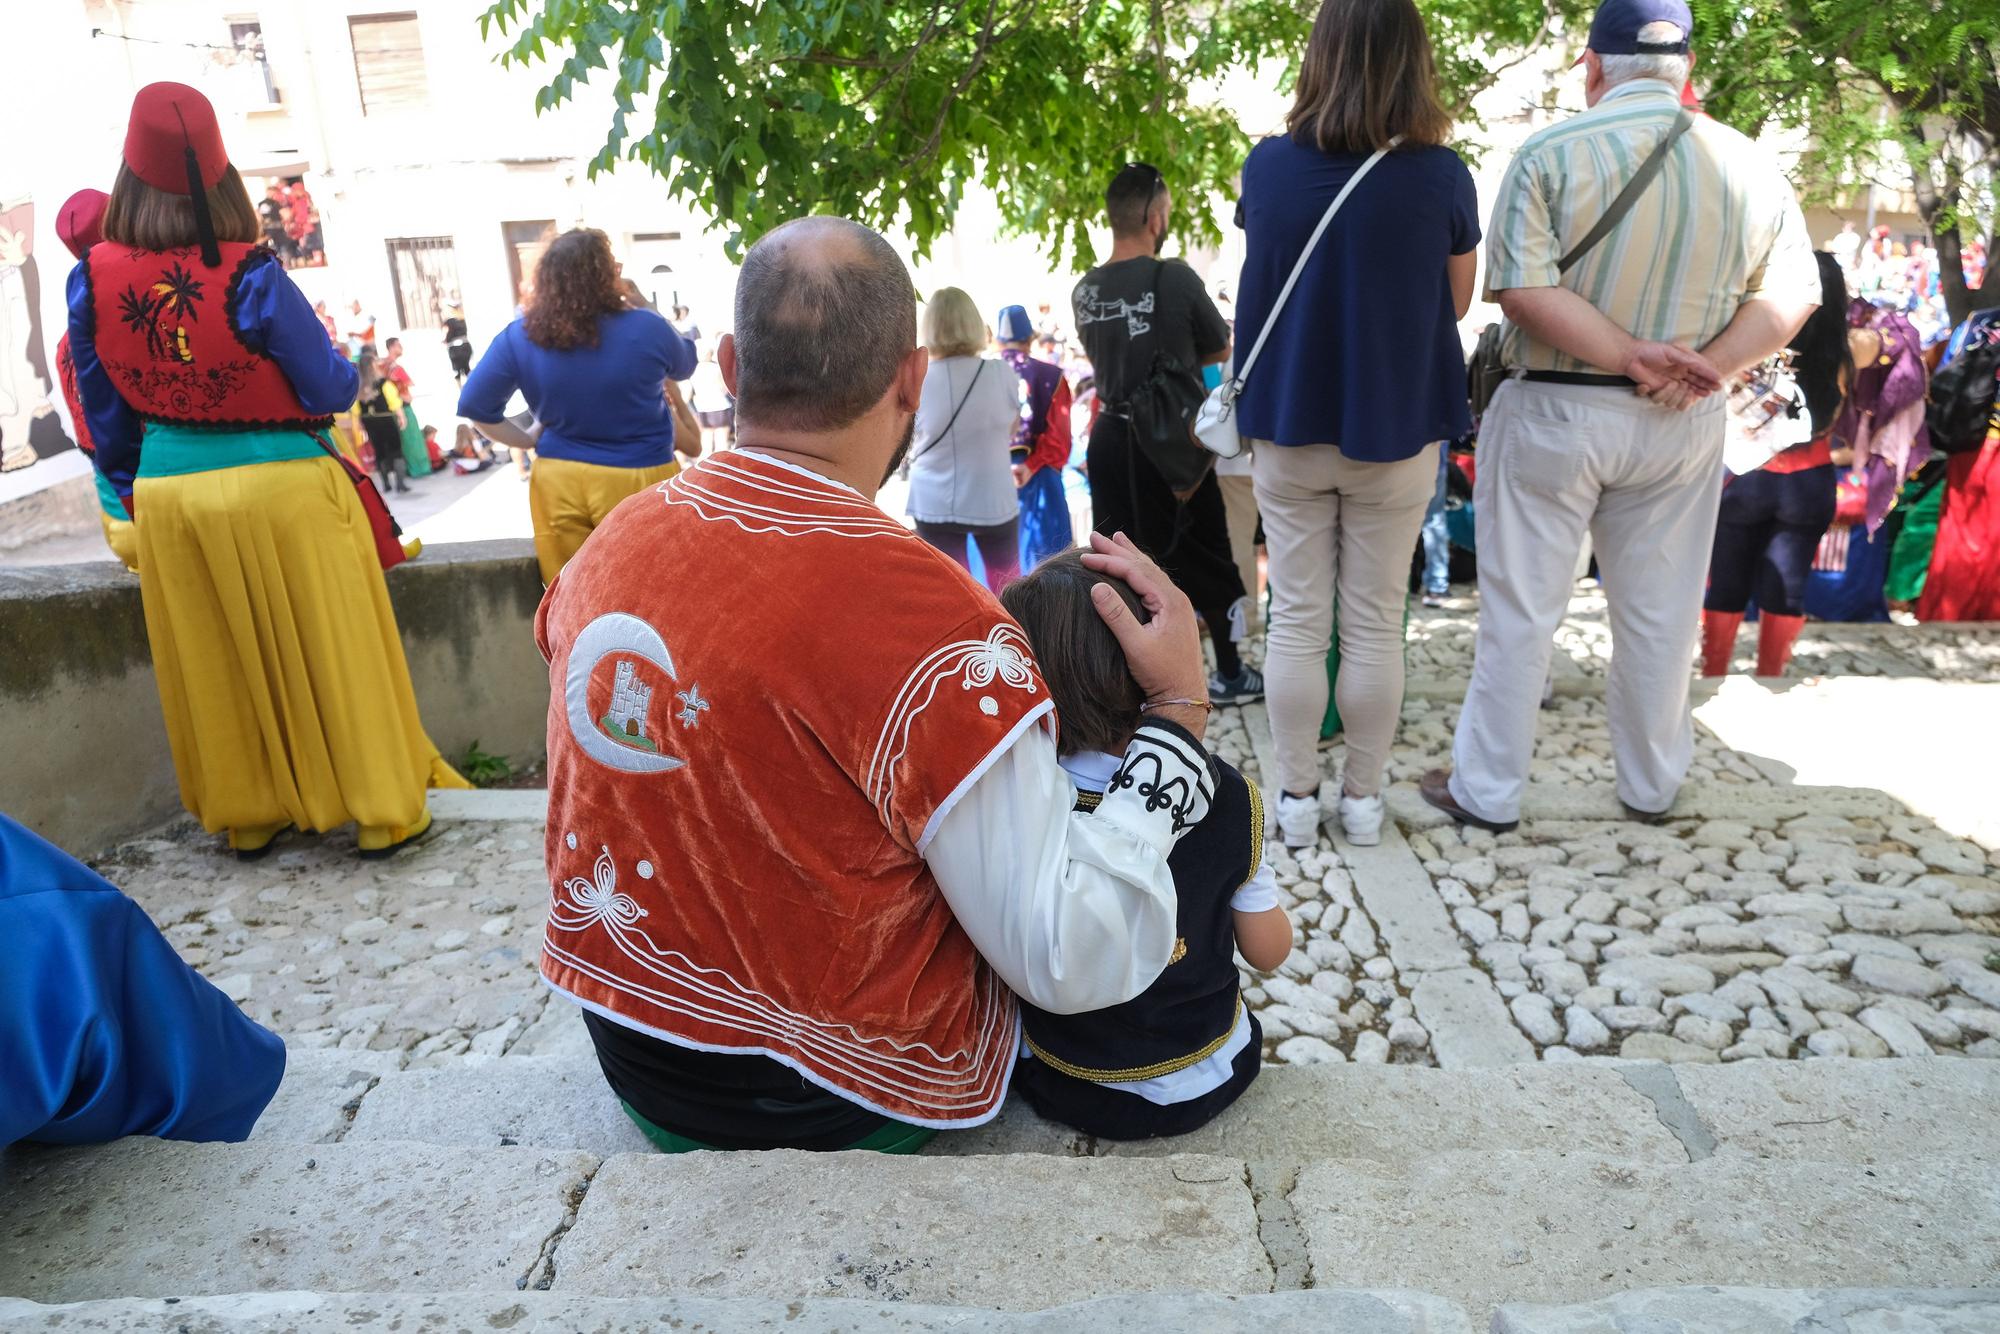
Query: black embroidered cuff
{"type": "Point", "coordinates": [1167, 769]}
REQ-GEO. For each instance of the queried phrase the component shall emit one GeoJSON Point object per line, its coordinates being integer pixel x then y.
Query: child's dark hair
{"type": "Point", "coordinates": [1097, 701]}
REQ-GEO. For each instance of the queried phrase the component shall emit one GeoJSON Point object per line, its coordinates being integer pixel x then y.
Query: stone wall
{"type": "Point", "coordinates": [68, 507]}
{"type": "Point", "coordinates": [83, 752]}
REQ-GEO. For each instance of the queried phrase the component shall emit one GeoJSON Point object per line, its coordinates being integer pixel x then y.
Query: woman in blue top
{"type": "Point", "coordinates": [1361, 378]}
{"type": "Point", "coordinates": [594, 371]}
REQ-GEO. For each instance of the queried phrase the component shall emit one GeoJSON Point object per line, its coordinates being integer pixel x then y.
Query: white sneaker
{"type": "Point", "coordinates": [1361, 817]}
{"type": "Point", "coordinates": [1298, 820]}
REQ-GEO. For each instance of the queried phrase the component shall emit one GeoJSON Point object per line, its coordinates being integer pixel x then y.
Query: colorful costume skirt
{"type": "Point", "coordinates": [1964, 581]}
{"type": "Point", "coordinates": [282, 679]}
{"type": "Point", "coordinates": [1045, 525]}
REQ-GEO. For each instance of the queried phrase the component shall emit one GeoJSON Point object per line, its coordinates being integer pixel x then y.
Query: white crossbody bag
{"type": "Point", "coordinates": [1215, 423]}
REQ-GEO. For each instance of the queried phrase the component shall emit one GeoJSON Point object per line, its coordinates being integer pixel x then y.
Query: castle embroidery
{"type": "Point", "coordinates": [625, 721]}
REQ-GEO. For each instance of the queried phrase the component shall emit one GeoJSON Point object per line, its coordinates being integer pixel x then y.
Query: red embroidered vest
{"type": "Point", "coordinates": [765, 693]}
{"type": "Point", "coordinates": [73, 397]}
{"type": "Point", "coordinates": [165, 330]}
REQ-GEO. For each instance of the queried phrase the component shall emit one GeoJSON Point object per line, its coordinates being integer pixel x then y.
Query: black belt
{"type": "Point", "coordinates": [1580, 377]}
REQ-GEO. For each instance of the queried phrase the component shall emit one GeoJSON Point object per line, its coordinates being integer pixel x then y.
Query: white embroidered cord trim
{"type": "Point", "coordinates": [834, 1058]}
{"type": "Point", "coordinates": [1002, 656]}
{"type": "Point", "coordinates": [819, 479]}
{"type": "Point", "coordinates": [596, 902]}
{"type": "Point", "coordinates": [805, 1072]}
{"type": "Point", "coordinates": [796, 511]}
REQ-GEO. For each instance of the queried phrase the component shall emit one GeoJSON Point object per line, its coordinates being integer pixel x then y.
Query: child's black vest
{"type": "Point", "coordinates": [1190, 1011]}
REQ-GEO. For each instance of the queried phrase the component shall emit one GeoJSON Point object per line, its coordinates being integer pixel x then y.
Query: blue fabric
{"type": "Point", "coordinates": [270, 310]}
{"type": "Point", "coordinates": [107, 497]}
{"type": "Point", "coordinates": [104, 1031]}
{"type": "Point", "coordinates": [1366, 354]}
{"type": "Point", "coordinates": [603, 404]}
{"type": "Point", "coordinates": [1045, 525]}
{"type": "Point", "coordinates": [1854, 594]}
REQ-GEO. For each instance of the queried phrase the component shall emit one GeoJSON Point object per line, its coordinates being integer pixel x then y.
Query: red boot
{"type": "Point", "coordinates": [1775, 636]}
{"type": "Point", "coordinates": [1718, 640]}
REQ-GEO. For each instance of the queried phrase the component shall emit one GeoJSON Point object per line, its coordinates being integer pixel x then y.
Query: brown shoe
{"type": "Point", "coordinates": [1436, 789]}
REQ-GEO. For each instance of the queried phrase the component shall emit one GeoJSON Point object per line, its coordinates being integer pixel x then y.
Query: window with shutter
{"type": "Point", "coordinates": [388, 62]}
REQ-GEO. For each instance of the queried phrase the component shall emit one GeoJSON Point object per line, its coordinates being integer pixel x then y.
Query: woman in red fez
{"type": "Point", "coordinates": [208, 385]}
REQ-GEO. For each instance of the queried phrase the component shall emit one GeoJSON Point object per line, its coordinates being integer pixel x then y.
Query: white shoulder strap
{"type": "Point", "coordinates": [1312, 244]}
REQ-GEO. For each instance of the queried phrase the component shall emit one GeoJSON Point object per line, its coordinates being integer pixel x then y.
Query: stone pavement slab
{"type": "Point", "coordinates": [543, 1102]}
{"type": "Point", "coordinates": [1018, 1233]}
{"type": "Point", "coordinates": [1756, 1310]}
{"type": "Point", "coordinates": [1469, 1023]}
{"type": "Point", "coordinates": [320, 1093]}
{"type": "Point", "coordinates": [1398, 894]}
{"type": "Point", "coordinates": [144, 1217]}
{"type": "Point", "coordinates": [1487, 1229]}
{"type": "Point", "coordinates": [1383, 1113]}
{"type": "Point", "coordinates": [1851, 1111]}
{"type": "Point", "coordinates": [1317, 1312]}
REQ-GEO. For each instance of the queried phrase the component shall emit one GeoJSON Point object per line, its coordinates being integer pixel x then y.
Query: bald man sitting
{"type": "Point", "coordinates": [807, 834]}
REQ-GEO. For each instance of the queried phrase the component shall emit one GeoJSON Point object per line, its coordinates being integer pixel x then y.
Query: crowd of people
{"type": "Point", "coordinates": [841, 845]}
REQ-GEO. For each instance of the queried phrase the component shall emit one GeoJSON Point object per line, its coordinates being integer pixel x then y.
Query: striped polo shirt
{"type": "Point", "coordinates": [1718, 226]}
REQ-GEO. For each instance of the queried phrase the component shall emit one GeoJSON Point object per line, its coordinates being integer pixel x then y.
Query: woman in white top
{"type": "Point", "coordinates": [961, 471]}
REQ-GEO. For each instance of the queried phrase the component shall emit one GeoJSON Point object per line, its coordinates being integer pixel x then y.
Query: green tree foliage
{"type": "Point", "coordinates": [886, 110]}
{"type": "Point", "coordinates": [1885, 88]}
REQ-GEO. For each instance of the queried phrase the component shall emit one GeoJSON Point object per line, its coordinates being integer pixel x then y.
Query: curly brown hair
{"type": "Point", "coordinates": [576, 280]}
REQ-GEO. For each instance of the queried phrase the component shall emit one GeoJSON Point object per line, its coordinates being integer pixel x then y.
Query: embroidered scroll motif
{"type": "Point", "coordinates": [1166, 777]}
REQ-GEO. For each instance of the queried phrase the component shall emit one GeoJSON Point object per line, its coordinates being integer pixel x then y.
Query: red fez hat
{"type": "Point", "coordinates": [78, 221]}
{"type": "Point", "coordinates": [173, 144]}
{"type": "Point", "coordinates": [168, 121]}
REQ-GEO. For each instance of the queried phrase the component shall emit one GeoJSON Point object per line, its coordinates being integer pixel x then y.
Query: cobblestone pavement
{"type": "Point", "coordinates": [1772, 922]}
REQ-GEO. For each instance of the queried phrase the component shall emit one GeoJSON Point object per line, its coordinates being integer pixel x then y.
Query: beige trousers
{"type": "Point", "coordinates": [1337, 527]}
{"type": "Point", "coordinates": [1557, 464]}
{"type": "Point", "coordinates": [1239, 503]}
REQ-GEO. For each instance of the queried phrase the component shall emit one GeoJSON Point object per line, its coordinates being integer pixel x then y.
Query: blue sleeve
{"type": "Point", "coordinates": [275, 318]}
{"type": "Point", "coordinates": [114, 427]}
{"type": "Point", "coordinates": [492, 382]}
{"type": "Point", "coordinates": [1464, 208]}
{"type": "Point", "coordinates": [681, 355]}
{"type": "Point", "coordinates": [105, 1031]}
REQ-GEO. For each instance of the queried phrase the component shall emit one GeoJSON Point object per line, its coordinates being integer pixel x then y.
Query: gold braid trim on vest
{"type": "Point", "coordinates": [1141, 1072]}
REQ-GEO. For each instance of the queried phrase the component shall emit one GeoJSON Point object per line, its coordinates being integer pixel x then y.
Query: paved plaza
{"type": "Point", "coordinates": [1769, 918]}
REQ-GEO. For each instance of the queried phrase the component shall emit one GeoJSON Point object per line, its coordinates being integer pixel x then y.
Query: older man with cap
{"type": "Point", "coordinates": [78, 225]}
{"type": "Point", "coordinates": [1641, 256]}
{"type": "Point", "coordinates": [1041, 443]}
{"type": "Point", "coordinates": [807, 834]}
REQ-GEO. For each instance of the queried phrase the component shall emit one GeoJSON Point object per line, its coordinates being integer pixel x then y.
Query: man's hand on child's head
{"type": "Point", "coordinates": [1163, 653]}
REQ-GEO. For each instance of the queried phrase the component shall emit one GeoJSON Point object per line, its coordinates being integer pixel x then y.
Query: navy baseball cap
{"type": "Point", "coordinates": [1014, 326]}
{"type": "Point", "coordinates": [1615, 30]}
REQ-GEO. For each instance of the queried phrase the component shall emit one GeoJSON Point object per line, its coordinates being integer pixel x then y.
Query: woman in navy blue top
{"type": "Point", "coordinates": [595, 371]}
{"type": "Point", "coordinates": [1361, 378]}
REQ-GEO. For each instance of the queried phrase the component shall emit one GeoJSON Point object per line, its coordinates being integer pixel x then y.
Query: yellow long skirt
{"type": "Point", "coordinates": [282, 678]}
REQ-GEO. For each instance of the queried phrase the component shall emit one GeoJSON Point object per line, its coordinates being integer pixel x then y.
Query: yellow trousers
{"type": "Point", "coordinates": [567, 500]}
{"type": "Point", "coordinates": [282, 679]}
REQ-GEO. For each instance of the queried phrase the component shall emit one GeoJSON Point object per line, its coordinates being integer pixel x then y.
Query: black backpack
{"type": "Point", "coordinates": [1959, 406]}
{"type": "Point", "coordinates": [1162, 409]}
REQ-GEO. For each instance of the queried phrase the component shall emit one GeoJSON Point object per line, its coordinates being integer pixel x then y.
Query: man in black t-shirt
{"type": "Point", "coordinates": [1127, 309]}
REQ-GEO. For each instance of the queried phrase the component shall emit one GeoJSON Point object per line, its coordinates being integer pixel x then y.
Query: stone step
{"type": "Point", "coordinates": [153, 1218]}
{"type": "Point", "coordinates": [1319, 1312]}
{"type": "Point", "coordinates": [1490, 1229]}
{"type": "Point", "coordinates": [1703, 1310]}
{"type": "Point", "coordinates": [1825, 1110]}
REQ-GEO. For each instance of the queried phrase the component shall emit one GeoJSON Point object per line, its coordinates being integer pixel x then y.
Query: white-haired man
{"type": "Point", "coordinates": [1609, 425]}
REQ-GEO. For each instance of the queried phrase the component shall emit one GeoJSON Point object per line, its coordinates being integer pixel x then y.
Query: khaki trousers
{"type": "Point", "coordinates": [1239, 504]}
{"type": "Point", "coordinates": [1557, 464]}
{"type": "Point", "coordinates": [1335, 526]}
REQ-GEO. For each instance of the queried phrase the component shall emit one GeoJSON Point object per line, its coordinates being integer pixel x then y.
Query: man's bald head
{"type": "Point", "coordinates": [825, 314]}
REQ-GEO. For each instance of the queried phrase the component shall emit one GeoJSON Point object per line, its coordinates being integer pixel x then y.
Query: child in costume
{"type": "Point", "coordinates": [1169, 1060]}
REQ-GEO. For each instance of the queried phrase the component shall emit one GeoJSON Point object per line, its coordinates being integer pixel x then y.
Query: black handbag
{"type": "Point", "coordinates": [1161, 409]}
{"type": "Point", "coordinates": [1961, 399]}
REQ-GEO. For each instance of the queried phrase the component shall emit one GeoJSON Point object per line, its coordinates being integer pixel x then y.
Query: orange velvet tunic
{"type": "Point", "coordinates": [765, 694]}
